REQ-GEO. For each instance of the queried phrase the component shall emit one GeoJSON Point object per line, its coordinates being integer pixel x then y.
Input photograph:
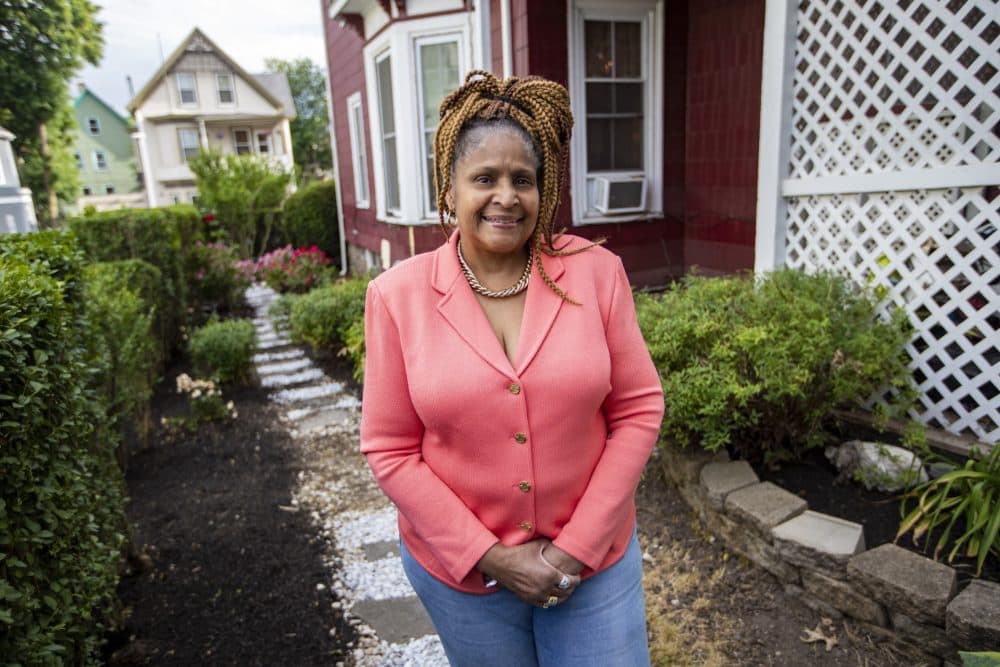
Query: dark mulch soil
{"type": "Point", "coordinates": [226, 572]}
{"type": "Point", "coordinates": [814, 478]}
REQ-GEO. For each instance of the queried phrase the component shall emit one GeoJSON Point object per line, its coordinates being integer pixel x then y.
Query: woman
{"type": "Point", "coordinates": [510, 403]}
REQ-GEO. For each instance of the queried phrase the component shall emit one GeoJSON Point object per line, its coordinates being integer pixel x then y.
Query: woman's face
{"type": "Point", "coordinates": [495, 194]}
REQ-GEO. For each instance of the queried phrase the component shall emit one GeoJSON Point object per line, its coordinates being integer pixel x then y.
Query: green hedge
{"type": "Point", "coordinates": [310, 218]}
{"type": "Point", "coordinates": [224, 350]}
{"type": "Point", "coordinates": [120, 306]}
{"type": "Point", "coordinates": [323, 317]}
{"type": "Point", "coordinates": [760, 365]}
{"type": "Point", "coordinates": [61, 499]}
{"type": "Point", "coordinates": [164, 237]}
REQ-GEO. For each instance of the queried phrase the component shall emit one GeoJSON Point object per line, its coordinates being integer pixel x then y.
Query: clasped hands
{"type": "Point", "coordinates": [537, 572]}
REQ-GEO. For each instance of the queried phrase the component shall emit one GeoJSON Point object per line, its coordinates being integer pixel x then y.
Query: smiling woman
{"type": "Point", "coordinates": [513, 464]}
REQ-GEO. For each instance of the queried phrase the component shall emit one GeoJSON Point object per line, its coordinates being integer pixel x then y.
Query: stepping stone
{"type": "Point", "coordinates": [289, 366]}
{"type": "Point", "coordinates": [381, 549]}
{"type": "Point", "coordinates": [267, 357]}
{"type": "Point", "coordinates": [395, 620]}
{"type": "Point", "coordinates": [320, 419]}
{"type": "Point", "coordinates": [764, 506]}
{"type": "Point", "coordinates": [303, 394]}
{"type": "Point", "coordinates": [271, 344]}
{"type": "Point", "coordinates": [291, 379]}
{"type": "Point", "coordinates": [918, 587]}
{"type": "Point", "coordinates": [721, 479]}
{"type": "Point", "coordinates": [813, 538]}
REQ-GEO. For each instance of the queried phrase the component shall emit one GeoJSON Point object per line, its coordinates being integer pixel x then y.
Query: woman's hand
{"type": "Point", "coordinates": [561, 560]}
{"type": "Point", "coordinates": [522, 572]}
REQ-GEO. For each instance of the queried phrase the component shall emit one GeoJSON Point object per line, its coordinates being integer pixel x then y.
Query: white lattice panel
{"type": "Point", "coordinates": [892, 87]}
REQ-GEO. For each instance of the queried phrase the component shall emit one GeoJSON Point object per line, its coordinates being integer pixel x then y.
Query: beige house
{"type": "Point", "coordinates": [201, 98]}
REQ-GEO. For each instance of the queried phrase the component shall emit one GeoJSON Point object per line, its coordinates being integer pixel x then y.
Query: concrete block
{"type": "Point", "coordinates": [904, 581]}
{"type": "Point", "coordinates": [763, 506]}
{"type": "Point", "coordinates": [821, 607]}
{"type": "Point", "coordinates": [819, 541]}
{"type": "Point", "coordinates": [721, 479]}
{"type": "Point", "coordinates": [683, 465]}
{"type": "Point", "coordinates": [377, 550]}
{"type": "Point", "coordinates": [747, 542]}
{"type": "Point", "coordinates": [973, 617]}
{"type": "Point", "coordinates": [844, 597]}
{"type": "Point", "coordinates": [930, 638]}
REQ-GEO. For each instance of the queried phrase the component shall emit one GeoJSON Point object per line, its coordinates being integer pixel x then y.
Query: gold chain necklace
{"type": "Point", "coordinates": [479, 288]}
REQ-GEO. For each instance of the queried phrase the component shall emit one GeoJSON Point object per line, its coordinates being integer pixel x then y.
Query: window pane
{"type": "Point", "coordinates": [241, 139]}
{"type": "Point", "coordinates": [439, 76]}
{"type": "Point", "coordinates": [429, 161]}
{"type": "Point", "coordinates": [628, 98]}
{"type": "Point", "coordinates": [597, 47]}
{"type": "Point", "coordinates": [628, 143]}
{"type": "Point", "coordinates": [599, 97]}
{"type": "Point", "coordinates": [383, 70]}
{"type": "Point", "coordinates": [263, 143]}
{"type": "Point", "coordinates": [391, 178]}
{"type": "Point", "coordinates": [598, 144]}
{"type": "Point", "coordinates": [628, 44]}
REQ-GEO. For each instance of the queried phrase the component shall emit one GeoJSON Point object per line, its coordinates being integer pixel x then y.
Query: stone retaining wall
{"type": "Point", "coordinates": [894, 594]}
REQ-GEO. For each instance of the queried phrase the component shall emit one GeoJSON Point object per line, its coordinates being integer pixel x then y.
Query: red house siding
{"type": "Point", "coordinates": [725, 50]}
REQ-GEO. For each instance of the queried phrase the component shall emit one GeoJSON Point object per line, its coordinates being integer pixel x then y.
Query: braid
{"type": "Point", "coordinates": [541, 109]}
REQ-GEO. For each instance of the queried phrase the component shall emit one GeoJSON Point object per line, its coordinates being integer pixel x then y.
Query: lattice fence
{"type": "Point", "coordinates": [892, 171]}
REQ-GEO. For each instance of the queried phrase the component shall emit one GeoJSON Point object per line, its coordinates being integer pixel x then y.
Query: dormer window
{"type": "Point", "coordinates": [224, 82]}
{"type": "Point", "coordinates": [186, 89]}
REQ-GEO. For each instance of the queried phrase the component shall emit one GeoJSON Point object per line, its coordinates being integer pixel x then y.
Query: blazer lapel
{"type": "Point", "coordinates": [540, 309]}
{"type": "Point", "coordinates": [460, 309]}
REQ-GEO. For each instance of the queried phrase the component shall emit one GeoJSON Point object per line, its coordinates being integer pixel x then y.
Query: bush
{"type": "Point", "coordinates": [310, 217]}
{"type": "Point", "coordinates": [323, 316]}
{"type": "Point", "coordinates": [161, 236]}
{"type": "Point", "coordinates": [760, 366]}
{"type": "Point", "coordinates": [61, 500]}
{"type": "Point", "coordinates": [287, 270]}
{"type": "Point", "coordinates": [217, 278]}
{"type": "Point", "coordinates": [354, 347]}
{"type": "Point", "coordinates": [120, 339]}
{"type": "Point", "coordinates": [224, 350]}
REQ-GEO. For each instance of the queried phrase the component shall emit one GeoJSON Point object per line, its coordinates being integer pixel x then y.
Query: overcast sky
{"type": "Point", "coordinates": [137, 32]}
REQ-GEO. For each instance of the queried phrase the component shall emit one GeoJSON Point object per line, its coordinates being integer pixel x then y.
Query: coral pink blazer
{"type": "Point", "coordinates": [474, 450]}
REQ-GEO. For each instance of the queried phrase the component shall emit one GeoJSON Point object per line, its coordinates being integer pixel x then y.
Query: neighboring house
{"type": "Point", "coordinates": [17, 213]}
{"type": "Point", "coordinates": [104, 155]}
{"type": "Point", "coordinates": [726, 135]}
{"type": "Point", "coordinates": [200, 98]}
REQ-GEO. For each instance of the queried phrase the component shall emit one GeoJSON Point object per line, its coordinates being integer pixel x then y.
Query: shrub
{"type": "Point", "coordinates": [224, 350]}
{"type": "Point", "coordinates": [970, 494]}
{"type": "Point", "coordinates": [161, 236]}
{"type": "Point", "coordinates": [61, 500]}
{"type": "Point", "coordinates": [323, 316]}
{"type": "Point", "coordinates": [206, 403]}
{"type": "Point", "coordinates": [354, 347]}
{"type": "Point", "coordinates": [310, 217]}
{"type": "Point", "coordinates": [297, 271]}
{"type": "Point", "coordinates": [759, 366]}
{"type": "Point", "coordinates": [120, 337]}
{"type": "Point", "coordinates": [217, 277]}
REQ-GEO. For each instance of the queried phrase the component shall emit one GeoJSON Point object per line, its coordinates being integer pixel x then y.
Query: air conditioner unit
{"type": "Point", "coordinates": [619, 194]}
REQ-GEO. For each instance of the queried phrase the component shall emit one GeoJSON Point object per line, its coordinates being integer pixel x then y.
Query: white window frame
{"type": "Point", "coordinates": [100, 159]}
{"type": "Point", "coordinates": [427, 179]}
{"type": "Point", "coordinates": [267, 134]}
{"type": "Point", "coordinates": [181, 131]}
{"type": "Point", "coordinates": [219, 89]}
{"type": "Point", "coordinates": [93, 126]}
{"type": "Point", "coordinates": [249, 143]}
{"type": "Point", "coordinates": [650, 14]}
{"type": "Point", "coordinates": [397, 39]}
{"type": "Point", "coordinates": [359, 153]}
{"type": "Point", "coordinates": [76, 156]}
{"type": "Point", "coordinates": [181, 89]}
{"type": "Point", "coordinates": [384, 210]}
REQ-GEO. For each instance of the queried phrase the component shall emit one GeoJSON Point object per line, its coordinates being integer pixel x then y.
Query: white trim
{"type": "Point", "coordinates": [649, 13]}
{"type": "Point", "coordinates": [267, 140]}
{"type": "Point", "coordinates": [505, 38]}
{"type": "Point", "coordinates": [384, 206]}
{"type": "Point", "coordinates": [249, 142]}
{"type": "Point", "coordinates": [194, 88]}
{"type": "Point", "coordinates": [775, 113]}
{"type": "Point", "coordinates": [427, 178]}
{"type": "Point", "coordinates": [893, 181]}
{"type": "Point", "coordinates": [359, 152]}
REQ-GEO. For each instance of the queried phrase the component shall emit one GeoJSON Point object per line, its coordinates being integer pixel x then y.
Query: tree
{"type": "Point", "coordinates": [244, 193]}
{"type": "Point", "coordinates": [310, 127]}
{"type": "Point", "coordinates": [42, 44]}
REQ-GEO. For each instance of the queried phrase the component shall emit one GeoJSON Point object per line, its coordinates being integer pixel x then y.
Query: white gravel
{"type": "Point", "coordinates": [375, 580]}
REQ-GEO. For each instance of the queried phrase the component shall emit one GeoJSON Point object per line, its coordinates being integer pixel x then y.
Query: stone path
{"type": "Point", "coordinates": [358, 523]}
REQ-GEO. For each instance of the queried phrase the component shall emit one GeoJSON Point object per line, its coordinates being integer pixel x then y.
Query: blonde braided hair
{"type": "Point", "coordinates": [538, 107]}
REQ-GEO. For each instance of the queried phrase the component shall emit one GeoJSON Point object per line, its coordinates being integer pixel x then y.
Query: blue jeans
{"type": "Point", "coordinates": [602, 624]}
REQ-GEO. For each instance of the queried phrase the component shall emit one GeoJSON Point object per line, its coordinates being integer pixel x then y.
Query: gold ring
{"type": "Point", "coordinates": [551, 602]}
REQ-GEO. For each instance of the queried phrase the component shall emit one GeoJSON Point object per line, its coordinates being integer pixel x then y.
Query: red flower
{"type": "Point", "coordinates": [208, 217]}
